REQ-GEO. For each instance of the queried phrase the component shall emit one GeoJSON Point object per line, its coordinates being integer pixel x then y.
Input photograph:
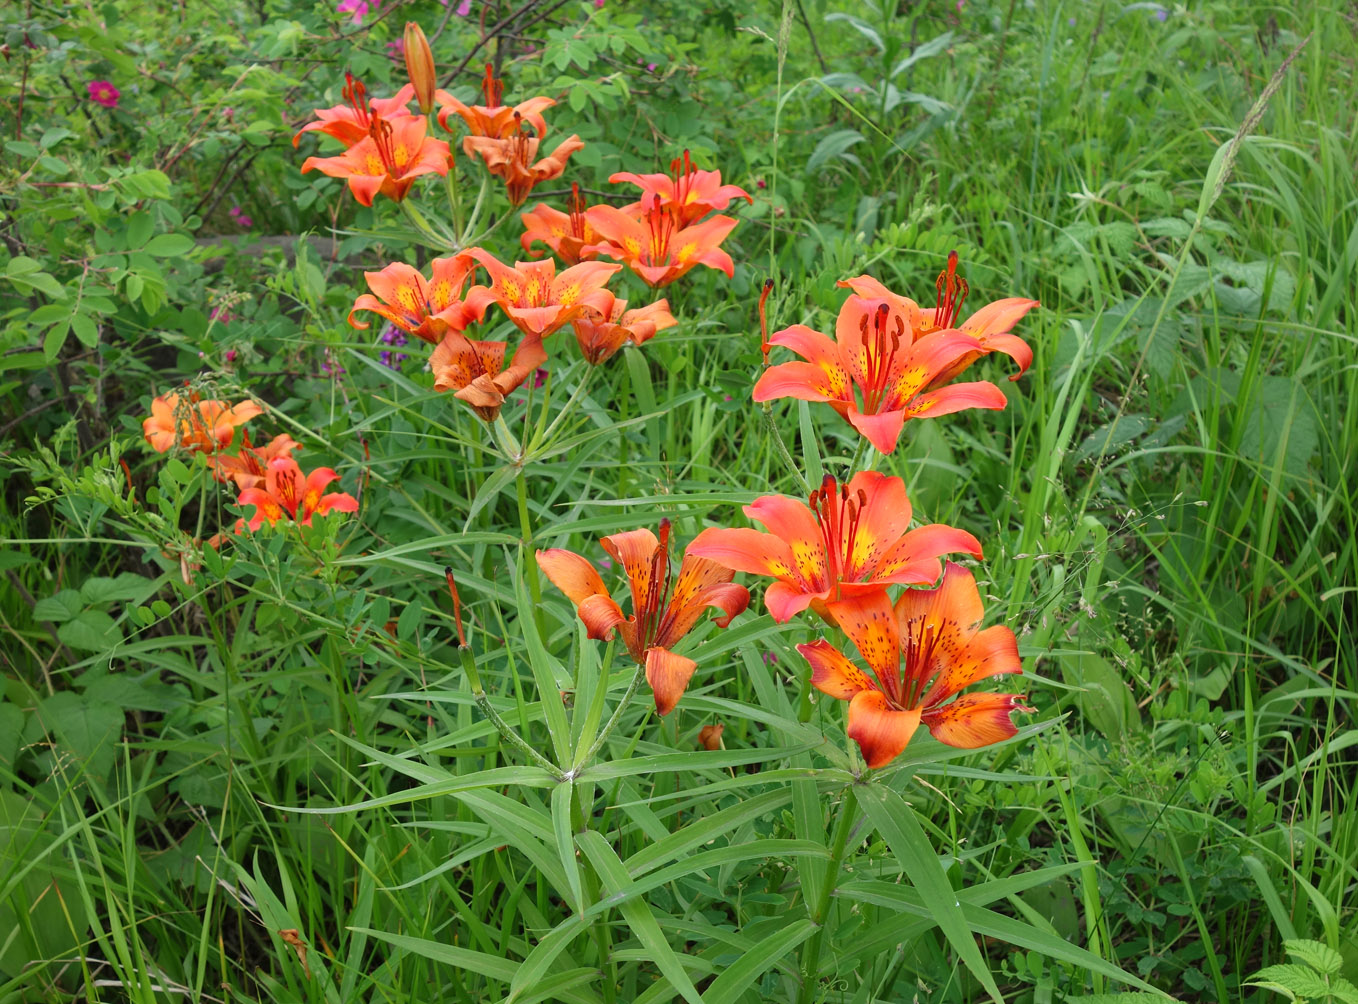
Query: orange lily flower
{"type": "Point", "coordinates": [427, 310]}
{"type": "Point", "coordinates": [567, 234]}
{"type": "Point", "coordinates": [494, 120]}
{"type": "Point", "coordinates": [248, 468]}
{"type": "Point", "coordinates": [658, 247]}
{"type": "Point", "coordinates": [991, 326]}
{"type": "Point", "coordinates": [538, 300]}
{"type": "Point", "coordinates": [602, 332]}
{"type": "Point", "coordinates": [475, 369]}
{"type": "Point", "coordinates": [921, 653]}
{"type": "Point", "coordinates": [849, 540]}
{"type": "Point", "coordinates": [874, 352]}
{"type": "Point", "coordinates": [287, 490]}
{"type": "Point", "coordinates": [514, 159]}
{"type": "Point", "coordinates": [663, 611]}
{"type": "Point", "coordinates": [205, 426]}
{"type": "Point", "coordinates": [387, 160]}
{"type": "Point", "coordinates": [691, 192]}
{"type": "Point", "coordinates": [349, 123]}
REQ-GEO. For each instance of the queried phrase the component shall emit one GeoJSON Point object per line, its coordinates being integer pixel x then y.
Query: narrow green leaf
{"type": "Point", "coordinates": [481, 963]}
{"type": "Point", "coordinates": [638, 914]}
{"type": "Point", "coordinates": [896, 822]}
{"type": "Point", "coordinates": [688, 760]}
{"type": "Point", "coordinates": [565, 844]}
{"type": "Point", "coordinates": [759, 959]}
{"type": "Point", "coordinates": [530, 972]}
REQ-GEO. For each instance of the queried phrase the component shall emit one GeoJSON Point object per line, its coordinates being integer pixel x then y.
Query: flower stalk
{"type": "Point", "coordinates": [848, 816]}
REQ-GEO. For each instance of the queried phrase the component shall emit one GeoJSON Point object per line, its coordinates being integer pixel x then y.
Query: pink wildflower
{"type": "Point", "coordinates": [358, 8]}
{"type": "Point", "coordinates": [104, 93]}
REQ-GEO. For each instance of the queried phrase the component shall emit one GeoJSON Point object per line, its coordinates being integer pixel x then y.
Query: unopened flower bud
{"type": "Point", "coordinates": [420, 65]}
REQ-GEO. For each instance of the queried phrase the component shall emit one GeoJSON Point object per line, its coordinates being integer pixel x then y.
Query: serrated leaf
{"type": "Point", "coordinates": [1291, 979]}
{"type": "Point", "coordinates": [1316, 954]}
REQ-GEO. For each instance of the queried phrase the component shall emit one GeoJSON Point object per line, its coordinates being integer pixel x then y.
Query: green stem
{"type": "Point", "coordinates": [584, 761]}
{"type": "Point", "coordinates": [503, 727]}
{"type": "Point", "coordinates": [857, 456]}
{"type": "Point", "coordinates": [506, 440]}
{"type": "Point", "coordinates": [529, 561]}
{"type": "Point", "coordinates": [848, 815]}
{"type": "Point", "coordinates": [432, 237]}
{"type": "Point", "coordinates": [454, 203]}
{"type": "Point", "coordinates": [475, 216]}
{"type": "Point", "coordinates": [782, 448]}
{"type": "Point", "coordinates": [603, 940]}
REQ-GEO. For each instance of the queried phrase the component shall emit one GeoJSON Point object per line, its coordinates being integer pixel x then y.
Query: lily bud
{"type": "Point", "coordinates": [420, 65]}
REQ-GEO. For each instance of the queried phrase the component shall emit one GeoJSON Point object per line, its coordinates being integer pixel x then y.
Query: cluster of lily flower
{"type": "Point", "coordinates": [836, 553]}
{"type": "Point", "coordinates": [266, 476]}
{"type": "Point", "coordinates": [890, 361]}
{"type": "Point", "coordinates": [660, 237]}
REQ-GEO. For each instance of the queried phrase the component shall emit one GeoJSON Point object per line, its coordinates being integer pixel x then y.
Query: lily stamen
{"type": "Point", "coordinates": [357, 96]}
{"type": "Point", "coordinates": [952, 293]}
{"type": "Point", "coordinates": [492, 87]}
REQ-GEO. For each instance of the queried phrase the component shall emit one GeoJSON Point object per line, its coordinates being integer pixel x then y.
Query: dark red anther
{"type": "Point", "coordinates": [493, 87]}
{"type": "Point", "coordinates": [660, 220]}
{"type": "Point", "coordinates": [357, 96]}
{"type": "Point", "coordinates": [577, 212]}
{"type": "Point", "coordinates": [764, 320]}
{"type": "Point", "coordinates": [381, 132]}
{"type": "Point", "coordinates": [457, 605]}
{"type": "Point", "coordinates": [681, 174]}
{"type": "Point", "coordinates": [952, 293]}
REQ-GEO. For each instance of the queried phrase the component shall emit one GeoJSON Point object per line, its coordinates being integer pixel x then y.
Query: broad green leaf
{"type": "Point", "coordinates": [169, 245]}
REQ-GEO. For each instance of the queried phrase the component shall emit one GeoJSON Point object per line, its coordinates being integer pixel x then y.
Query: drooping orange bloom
{"type": "Point", "coordinates": [991, 326]}
{"type": "Point", "coordinates": [204, 426]}
{"type": "Point", "coordinates": [514, 159]}
{"type": "Point", "coordinates": [658, 247]}
{"type": "Point", "coordinates": [849, 540]}
{"type": "Point", "coordinates": [601, 333]}
{"type": "Point", "coordinates": [287, 491]}
{"type": "Point", "coordinates": [663, 611]}
{"type": "Point", "coordinates": [921, 653]}
{"type": "Point", "coordinates": [349, 123]}
{"type": "Point", "coordinates": [535, 298]}
{"type": "Point", "coordinates": [248, 468]}
{"type": "Point", "coordinates": [691, 192]}
{"type": "Point", "coordinates": [475, 370]}
{"type": "Point", "coordinates": [425, 309]}
{"type": "Point", "coordinates": [495, 120]}
{"type": "Point", "coordinates": [387, 160]}
{"type": "Point", "coordinates": [567, 234]}
{"type": "Point", "coordinates": [875, 355]}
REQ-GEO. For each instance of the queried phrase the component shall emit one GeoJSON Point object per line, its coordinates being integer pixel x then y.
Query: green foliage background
{"type": "Point", "coordinates": [199, 750]}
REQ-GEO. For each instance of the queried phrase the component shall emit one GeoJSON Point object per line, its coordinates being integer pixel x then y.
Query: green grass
{"type": "Point", "coordinates": [1167, 507]}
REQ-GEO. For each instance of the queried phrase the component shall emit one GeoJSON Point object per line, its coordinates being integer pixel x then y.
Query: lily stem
{"type": "Point", "coordinates": [432, 237]}
{"type": "Point", "coordinates": [529, 561]}
{"type": "Point", "coordinates": [454, 203]}
{"type": "Point", "coordinates": [584, 761]}
{"type": "Point", "coordinates": [782, 448]}
{"type": "Point", "coordinates": [475, 216]}
{"type": "Point", "coordinates": [503, 727]}
{"type": "Point", "coordinates": [848, 815]}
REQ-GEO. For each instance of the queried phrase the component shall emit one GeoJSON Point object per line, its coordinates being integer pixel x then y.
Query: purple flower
{"type": "Point", "coordinates": [328, 365]}
{"type": "Point", "coordinates": [221, 315]}
{"type": "Point", "coordinates": [396, 50]}
{"type": "Point", "coordinates": [1162, 15]}
{"type": "Point", "coordinates": [238, 214]}
{"type": "Point", "coordinates": [464, 8]}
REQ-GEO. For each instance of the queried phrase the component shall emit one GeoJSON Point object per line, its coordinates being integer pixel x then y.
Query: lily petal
{"type": "Point", "coordinates": [881, 732]}
{"type": "Point", "coordinates": [975, 720]}
{"type": "Point", "coordinates": [668, 674]}
{"type": "Point", "coordinates": [832, 673]}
